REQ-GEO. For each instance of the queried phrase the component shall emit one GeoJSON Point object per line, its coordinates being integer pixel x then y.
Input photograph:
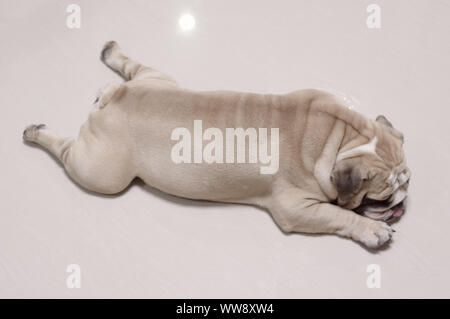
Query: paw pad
{"type": "Point", "coordinates": [31, 131]}
{"type": "Point", "coordinates": [107, 49]}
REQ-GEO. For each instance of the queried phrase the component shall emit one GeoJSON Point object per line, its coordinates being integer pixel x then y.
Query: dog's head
{"type": "Point", "coordinates": [373, 179]}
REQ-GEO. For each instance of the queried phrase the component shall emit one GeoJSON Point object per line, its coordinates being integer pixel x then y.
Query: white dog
{"type": "Point", "coordinates": [335, 171]}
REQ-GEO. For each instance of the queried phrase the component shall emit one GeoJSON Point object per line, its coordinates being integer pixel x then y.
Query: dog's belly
{"type": "Point", "coordinates": [212, 182]}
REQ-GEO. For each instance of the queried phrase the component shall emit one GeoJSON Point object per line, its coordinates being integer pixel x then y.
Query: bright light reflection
{"type": "Point", "coordinates": [186, 22]}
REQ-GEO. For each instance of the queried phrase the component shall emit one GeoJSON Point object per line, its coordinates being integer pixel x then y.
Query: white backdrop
{"type": "Point", "coordinates": [147, 244]}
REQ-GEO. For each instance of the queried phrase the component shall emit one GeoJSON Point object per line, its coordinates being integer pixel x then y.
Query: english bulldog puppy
{"type": "Point", "coordinates": [330, 169]}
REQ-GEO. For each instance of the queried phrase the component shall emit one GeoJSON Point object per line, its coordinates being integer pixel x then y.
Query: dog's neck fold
{"type": "Point", "coordinates": [351, 132]}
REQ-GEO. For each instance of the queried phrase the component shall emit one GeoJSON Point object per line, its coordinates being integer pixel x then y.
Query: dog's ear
{"type": "Point", "coordinates": [383, 120]}
{"type": "Point", "coordinates": [348, 177]}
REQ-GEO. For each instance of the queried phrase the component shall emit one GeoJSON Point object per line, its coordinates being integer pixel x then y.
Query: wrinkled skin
{"type": "Point", "coordinates": [339, 172]}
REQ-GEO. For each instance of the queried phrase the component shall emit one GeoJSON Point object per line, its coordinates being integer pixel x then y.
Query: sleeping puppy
{"type": "Point", "coordinates": [330, 169]}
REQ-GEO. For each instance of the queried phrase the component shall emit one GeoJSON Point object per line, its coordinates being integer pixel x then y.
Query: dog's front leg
{"type": "Point", "coordinates": [295, 212]}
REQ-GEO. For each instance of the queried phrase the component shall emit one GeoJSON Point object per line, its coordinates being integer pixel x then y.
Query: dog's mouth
{"type": "Point", "coordinates": [380, 210]}
{"type": "Point", "coordinates": [388, 214]}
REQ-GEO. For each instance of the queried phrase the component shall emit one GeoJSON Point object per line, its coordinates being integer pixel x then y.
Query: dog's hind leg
{"type": "Point", "coordinates": [91, 160]}
{"type": "Point", "coordinates": [129, 69]}
{"type": "Point", "coordinates": [57, 146]}
{"type": "Point", "coordinates": [105, 94]}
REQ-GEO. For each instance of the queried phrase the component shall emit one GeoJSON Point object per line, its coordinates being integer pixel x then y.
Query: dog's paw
{"type": "Point", "coordinates": [108, 49]}
{"type": "Point", "coordinates": [105, 94]}
{"type": "Point", "coordinates": [31, 132]}
{"type": "Point", "coordinates": [373, 234]}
